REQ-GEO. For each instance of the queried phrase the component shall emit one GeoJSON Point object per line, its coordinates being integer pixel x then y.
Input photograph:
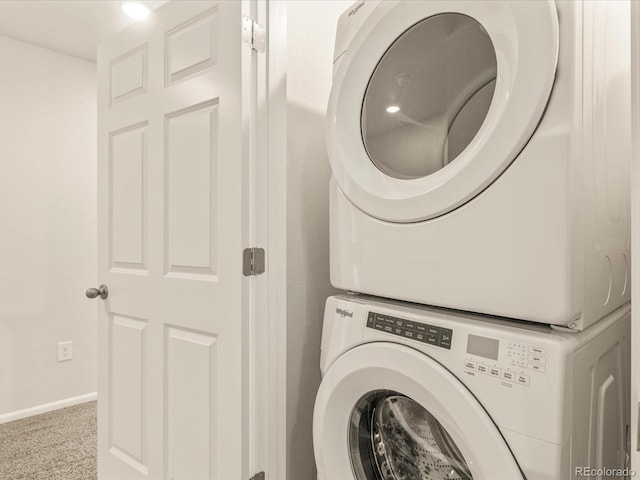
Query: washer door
{"type": "Point", "coordinates": [433, 100]}
{"type": "Point", "coordinates": [387, 412]}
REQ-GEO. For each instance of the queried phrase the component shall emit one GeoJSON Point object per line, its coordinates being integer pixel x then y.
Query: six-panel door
{"type": "Point", "coordinates": [171, 215]}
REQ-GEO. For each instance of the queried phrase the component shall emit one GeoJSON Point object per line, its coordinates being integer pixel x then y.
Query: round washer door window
{"type": "Point", "coordinates": [386, 411]}
{"type": "Point", "coordinates": [429, 95]}
{"type": "Point", "coordinates": [392, 437]}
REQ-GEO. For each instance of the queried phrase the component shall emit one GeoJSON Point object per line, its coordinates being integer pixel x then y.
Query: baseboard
{"type": "Point", "coordinates": [47, 407]}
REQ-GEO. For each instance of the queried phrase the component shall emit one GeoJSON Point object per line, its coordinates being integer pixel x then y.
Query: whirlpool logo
{"type": "Point", "coordinates": [344, 313]}
{"type": "Point", "coordinates": [355, 9]}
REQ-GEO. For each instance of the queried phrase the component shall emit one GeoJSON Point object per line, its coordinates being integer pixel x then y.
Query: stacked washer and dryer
{"type": "Point", "coordinates": [480, 225]}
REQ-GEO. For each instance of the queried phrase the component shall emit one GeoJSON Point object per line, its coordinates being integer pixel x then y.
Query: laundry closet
{"type": "Point", "coordinates": [480, 225]}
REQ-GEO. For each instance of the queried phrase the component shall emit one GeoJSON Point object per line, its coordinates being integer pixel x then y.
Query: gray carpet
{"type": "Point", "coordinates": [59, 445]}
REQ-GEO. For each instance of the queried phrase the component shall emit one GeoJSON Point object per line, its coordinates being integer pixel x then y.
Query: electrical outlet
{"type": "Point", "coordinates": [65, 351]}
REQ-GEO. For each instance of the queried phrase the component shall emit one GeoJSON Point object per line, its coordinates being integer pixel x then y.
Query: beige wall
{"type": "Point", "coordinates": [47, 225]}
{"type": "Point", "coordinates": [311, 31]}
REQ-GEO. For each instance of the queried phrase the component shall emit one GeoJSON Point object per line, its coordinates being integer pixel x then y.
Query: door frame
{"type": "Point", "coordinates": [635, 234]}
{"type": "Point", "coordinates": [268, 441]}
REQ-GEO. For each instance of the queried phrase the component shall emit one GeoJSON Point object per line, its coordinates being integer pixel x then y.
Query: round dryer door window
{"type": "Point", "coordinates": [393, 437]}
{"type": "Point", "coordinates": [429, 95]}
{"type": "Point", "coordinates": [433, 100]}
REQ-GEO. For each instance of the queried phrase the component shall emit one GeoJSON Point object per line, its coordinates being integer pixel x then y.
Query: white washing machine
{"type": "Point", "coordinates": [480, 156]}
{"type": "Point", "coordinates": [418, 393]}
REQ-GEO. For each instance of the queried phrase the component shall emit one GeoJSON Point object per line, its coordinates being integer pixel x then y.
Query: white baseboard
{"type": "Point", "coordinates": [47, 407]}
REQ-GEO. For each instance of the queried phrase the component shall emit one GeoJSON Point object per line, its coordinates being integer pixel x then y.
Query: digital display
{"type": "Point", "coordinates": [483, 346]}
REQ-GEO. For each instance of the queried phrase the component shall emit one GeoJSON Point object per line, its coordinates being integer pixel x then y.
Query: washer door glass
{"type": "Point", "coordinates": [429, 95]}
{"type": "Point", "coordinates": [392, 437]}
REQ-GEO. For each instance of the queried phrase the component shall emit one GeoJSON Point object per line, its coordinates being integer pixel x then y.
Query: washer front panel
{"type": "Point", "coordinates": [525, 37]}
{"type": "Point", "coordinates": [391, 367]}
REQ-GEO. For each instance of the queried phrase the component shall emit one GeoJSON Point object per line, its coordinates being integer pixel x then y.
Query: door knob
{"type": "Point", "coordinates": [101, 291]}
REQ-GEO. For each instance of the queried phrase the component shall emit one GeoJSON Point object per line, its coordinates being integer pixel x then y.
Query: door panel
{"type": "Point", "coordinates": [173, 366]}
{"type": "Point", "coordinates": [192, 201]}
{"type": "Point", "coordinates": [128, 348]}
{"type": "Point", "coordinates": [191, 363]}
{"type": "Point", "coordinates": [127, 190]}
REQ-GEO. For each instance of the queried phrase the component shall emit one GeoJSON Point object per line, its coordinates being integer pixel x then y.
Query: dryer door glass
{"type": "Point", "coordinates": [428, 95]}
{"type": "Point", "coordinates": [392, 437]}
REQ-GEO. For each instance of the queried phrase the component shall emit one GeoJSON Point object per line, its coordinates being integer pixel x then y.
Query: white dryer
{"type": "Point", "coordinates": [480, 156]}
{"type": "Point", "coordinates": [418, 393]}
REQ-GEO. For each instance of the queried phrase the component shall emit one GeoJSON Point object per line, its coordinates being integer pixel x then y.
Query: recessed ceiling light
{"type": "Point", "coordinates": [135, 10]}
{"type": "Point", "coordinates": [393, 109]}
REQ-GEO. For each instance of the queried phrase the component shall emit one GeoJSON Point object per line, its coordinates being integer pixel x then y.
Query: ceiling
{"type": "Point", "coordinates": [74, 27]}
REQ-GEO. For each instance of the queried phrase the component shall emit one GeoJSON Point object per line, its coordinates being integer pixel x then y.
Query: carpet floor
{"type": "Point", "coordinates": [59, 445]}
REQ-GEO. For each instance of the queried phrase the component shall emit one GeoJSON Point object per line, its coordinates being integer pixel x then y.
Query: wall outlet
{"type": "Point", "coordinates": [65, 351]}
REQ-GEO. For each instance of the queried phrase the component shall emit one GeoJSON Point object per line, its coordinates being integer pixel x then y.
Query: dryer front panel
{"type": "Point", "coordinates": [433, 100]}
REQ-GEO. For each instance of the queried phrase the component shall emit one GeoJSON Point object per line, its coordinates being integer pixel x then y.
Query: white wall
{"type": "Point", "coordinates": [47, 224]}
{"type": "Point", "coordinates": [311, 29]}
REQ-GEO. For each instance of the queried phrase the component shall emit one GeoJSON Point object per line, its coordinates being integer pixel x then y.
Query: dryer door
{"type": "Point", "coordinates": [387, 412]}
{"type": "Point", "coordinates": [433, 100]}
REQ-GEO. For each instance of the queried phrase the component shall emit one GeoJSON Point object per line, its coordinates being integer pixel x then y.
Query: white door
{"type": "Point", "coordinates": [173, 219]}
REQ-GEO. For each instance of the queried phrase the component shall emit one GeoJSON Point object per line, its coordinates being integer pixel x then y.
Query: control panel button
{"type": "Point", "coordinates": [522, 379]}
{"type": "Point", "coordinates": [494, 372]}
{"type": "Point", "coordinates": [537, 359]}
{"type": "Point", "coordinates": [482, 368]}
{"type": "Point", "coordinates": [444, 338]}
{"type": "Point", "coordinates": [536, 367]}
{"type": "Point", "coordinates": [538, 350]}
{"type": "Point", "coordinates": [430, 334]}
{"type": "Point", "coordinates": [469, 365]}
{"type": "Point", "coordinates": [507, 375]}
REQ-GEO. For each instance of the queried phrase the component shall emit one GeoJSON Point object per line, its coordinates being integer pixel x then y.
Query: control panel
{"type": "Point", "coordinates": [421, 332]}
{"type": "Point", "coordinates": [518, 361]}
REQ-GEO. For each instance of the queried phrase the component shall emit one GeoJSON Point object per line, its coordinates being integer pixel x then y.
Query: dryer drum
{"type": "Point", "coordinates": [404, 442]}
{"type": "Point", "coordinates": [419, 120]}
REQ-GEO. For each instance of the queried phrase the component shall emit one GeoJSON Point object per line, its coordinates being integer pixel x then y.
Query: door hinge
{"type": "Point", "coordinates": [258, 476]}
{"type": "Point", "coordinates": [254, 34]}
{"type": "Point", "coordinates": [252, 261]}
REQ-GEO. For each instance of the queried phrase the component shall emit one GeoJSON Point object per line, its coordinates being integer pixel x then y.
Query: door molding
{"type": "Point", "coordinates": [635, 234]}
{"type": "Point", "coordinates": [269, 181]}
